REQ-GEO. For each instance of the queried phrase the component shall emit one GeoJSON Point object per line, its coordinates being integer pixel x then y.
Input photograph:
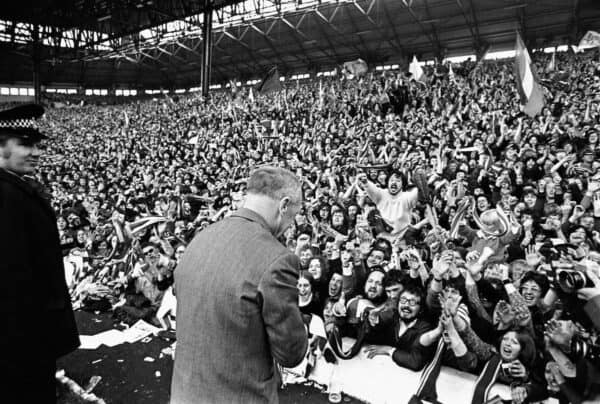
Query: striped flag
{"type": "Point", "coordinates": [415, 69]}
{"type": "Point", "coordinates": [532, 97]}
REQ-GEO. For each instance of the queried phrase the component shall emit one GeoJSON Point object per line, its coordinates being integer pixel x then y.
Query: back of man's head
{"type": "Point", "coordinates": [276, 183]}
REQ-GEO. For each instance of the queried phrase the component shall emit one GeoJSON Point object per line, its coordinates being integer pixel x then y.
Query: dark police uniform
{"type": "Point", "coordinates": [38, 324]}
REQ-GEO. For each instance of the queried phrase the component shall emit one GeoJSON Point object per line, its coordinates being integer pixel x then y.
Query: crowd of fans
{"type": "Point", "coordinates": [434, 211]}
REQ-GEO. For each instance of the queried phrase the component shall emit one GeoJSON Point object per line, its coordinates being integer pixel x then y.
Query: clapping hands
{"type": "Point", "coordinates": [442, 264]}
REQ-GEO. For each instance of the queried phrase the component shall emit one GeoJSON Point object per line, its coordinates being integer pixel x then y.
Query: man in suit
{"type": "Point", "coordinates": [35, 307]}
{"type": "Point", "coordinates": [237, 308]}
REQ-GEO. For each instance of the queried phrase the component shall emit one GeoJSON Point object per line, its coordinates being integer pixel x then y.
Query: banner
{"type": "Point", "coordinates": [532, 97]}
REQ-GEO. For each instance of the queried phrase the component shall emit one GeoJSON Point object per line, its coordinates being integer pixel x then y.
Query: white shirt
{"type": "Point", "coordinates": [396, 209]}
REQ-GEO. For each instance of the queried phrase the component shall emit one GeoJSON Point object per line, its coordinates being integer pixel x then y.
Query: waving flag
{"type": "Point", "coordinates": [415, 69]}
{"type": "Point", "coordinates": [355, 68]}
{"type": "Point", "coordinates": [451, 75]}
{"type": "Point", "coordinates": [552, 64]}
{"type": "Point", "coordinates": [532, 97]}
{"type": "Point", "coordinates": [320, 94]}
{"type": "Point", "coordinates": [233, 87]}
{"type": "Point", "coordinates": [270, 83]}
{"type": "Point", "coordinates": [590, 39]}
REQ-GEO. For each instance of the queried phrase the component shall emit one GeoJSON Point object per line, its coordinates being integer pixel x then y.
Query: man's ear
{"type": "Point", "coordinates": [284, 204]}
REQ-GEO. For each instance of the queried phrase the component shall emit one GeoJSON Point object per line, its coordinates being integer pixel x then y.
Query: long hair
{"type": "Point", "coordinates": [528, 352]}
{"type": "Point", "coordinates": [304, 274]}
{"type": "Point", "coordinates": [324, 267]}
{"type": "Point", "coordinates": [399, 174]}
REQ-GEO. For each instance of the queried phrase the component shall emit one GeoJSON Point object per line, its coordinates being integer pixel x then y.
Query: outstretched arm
{"type": "Point", "coordinates": [372, 190]}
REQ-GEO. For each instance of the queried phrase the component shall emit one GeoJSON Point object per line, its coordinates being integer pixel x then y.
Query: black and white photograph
{"type": "Point", "coordinates": [300, 201]}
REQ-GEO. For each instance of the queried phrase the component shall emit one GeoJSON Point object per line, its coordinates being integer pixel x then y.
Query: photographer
{"type": "Point", "coordinates": [574, 372]}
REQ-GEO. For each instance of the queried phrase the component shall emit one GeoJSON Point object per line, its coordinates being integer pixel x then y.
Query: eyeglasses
{"type": "Point", "coordinates": [411, 302]}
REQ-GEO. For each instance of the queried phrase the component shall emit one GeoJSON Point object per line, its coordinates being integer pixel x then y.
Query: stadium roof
{"type": "Point", "coordinates": [157, 43]}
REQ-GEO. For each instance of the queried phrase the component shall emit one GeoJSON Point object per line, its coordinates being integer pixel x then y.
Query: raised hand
{"type": "Point", "coordinates": [442, 265]}
{"type": "Point", "coordinates": [560, 333]}
{"type": "Point", "coordinates": [596, 204]}
{"type": "Point", "coordinates": [339, 307]}
{"type": "Point", "coordinates": [472, 256]}
{"type": "Point", "coordinates": [532, 257]}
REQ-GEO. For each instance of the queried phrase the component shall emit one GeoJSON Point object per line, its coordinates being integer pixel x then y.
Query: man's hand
{"type": "Point", "coordinates": [532, 257]}
{"type": "Point", "coordinates": [372, 350]}
{"type": "Point", "coordinates": [450, 302]}
{"type": "Point", "coordinates": [339, 307]}
{"type": "Point", "coordinates": [553, 376]}
{"type": "Point", "coordinates": [527, 225]}
{"type": "Point", "coordinates": [303, 241]}
{"type": "Point", "coordinates": [596, 204]}
{"type": "Point", "coordinates": [578, 212]}
{"type": "Point", "coordinates": [442, 265]}
{"type": "Point", "coordinates": [593, 186]}
{"type": "Point", "coordinates": [519, 394]}
{"type": "Point", "coordinates": [472, 256]}
{"type": "Point", "coordinates": [590, 293]}
{"type": "Point", "coordinates": [561, 333]}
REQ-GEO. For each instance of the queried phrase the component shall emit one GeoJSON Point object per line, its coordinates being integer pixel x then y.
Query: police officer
{"type": "Point", "coordinates": [38, 324]}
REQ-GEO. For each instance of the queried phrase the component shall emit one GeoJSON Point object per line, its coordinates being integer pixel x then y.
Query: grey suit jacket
{"type": "Point", "coordinates": [237, 310]}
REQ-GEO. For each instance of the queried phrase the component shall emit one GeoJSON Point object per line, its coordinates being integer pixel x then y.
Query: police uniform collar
{"type": "Point", "coordinates": [16, 179]}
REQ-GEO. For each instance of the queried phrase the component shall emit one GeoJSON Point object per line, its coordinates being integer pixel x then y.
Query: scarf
{"type": "Point", "coordinates": [427, 386]}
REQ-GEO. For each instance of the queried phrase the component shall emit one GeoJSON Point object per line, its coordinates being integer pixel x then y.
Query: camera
{"type": "Point", "coordinates": [570, 281]}
{"type": "Point", "coordinates": [581, 349]}
{"type": "Point", "coordinates": [549, 252]}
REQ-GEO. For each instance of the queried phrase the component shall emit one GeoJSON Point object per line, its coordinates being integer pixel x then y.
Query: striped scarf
{"type": "Point", "coordinates": [427, 386]}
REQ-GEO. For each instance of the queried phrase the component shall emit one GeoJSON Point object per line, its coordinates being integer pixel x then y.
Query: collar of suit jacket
{"type": "Point", "coordinates": [251, 215]}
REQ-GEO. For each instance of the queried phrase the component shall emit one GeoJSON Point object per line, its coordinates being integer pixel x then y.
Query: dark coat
{"type": "Point", "coordinates": [35, 307]}
{"type": "Point", "coordinates": [237, 311]}
{"type": "Point", "coordinates": [409, 352]}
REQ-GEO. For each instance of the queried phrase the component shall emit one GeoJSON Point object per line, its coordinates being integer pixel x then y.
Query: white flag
{"type": "Point", "coordinates": [590, 39]}
{"type": "Point", "coordinates": [415, 69]}
{"type": "Point", "coordinates": [552, 64]}
{"type": "Point", "coordinates": [451, 74]}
